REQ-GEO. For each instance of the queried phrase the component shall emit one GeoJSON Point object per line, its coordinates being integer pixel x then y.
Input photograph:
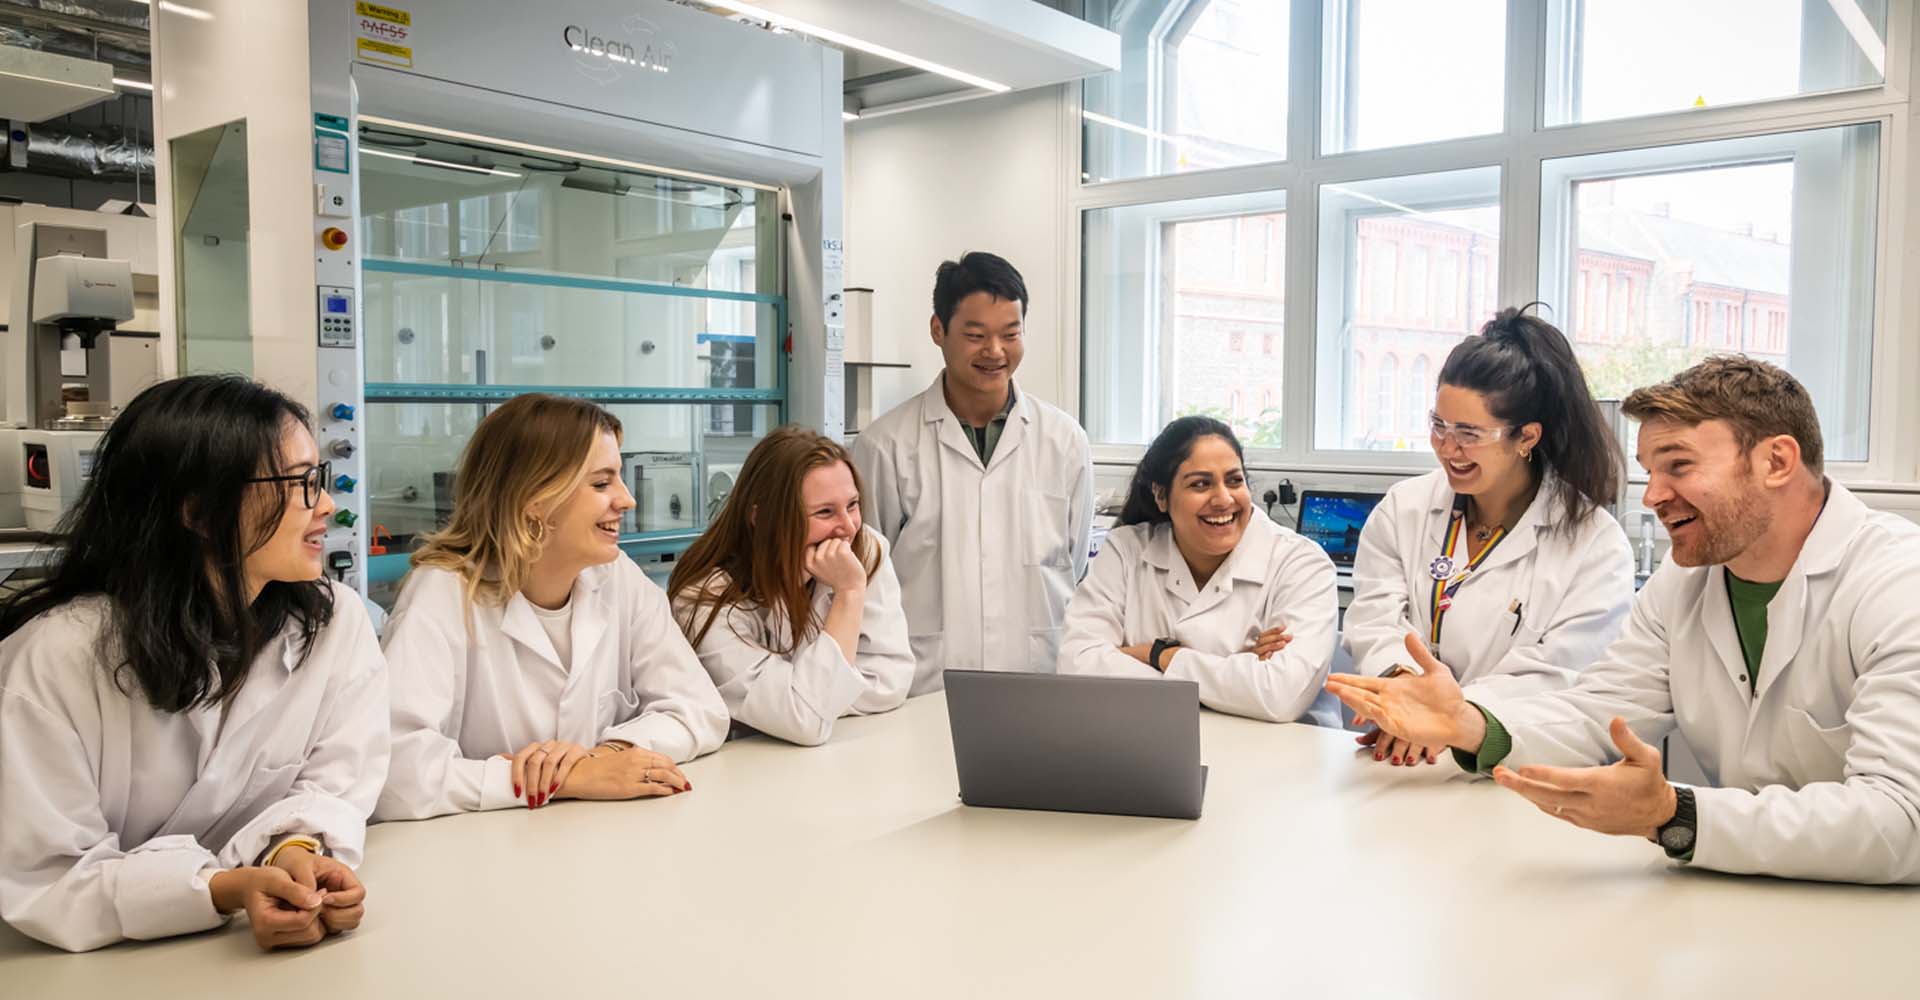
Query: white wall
{"type": "Point", "coordinates": [247, 61]}
{"type": "Point", "coordinates": [928, 186]}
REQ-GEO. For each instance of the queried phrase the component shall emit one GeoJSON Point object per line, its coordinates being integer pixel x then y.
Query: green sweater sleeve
{"type": "Point", "coordinates": [1493, 749]}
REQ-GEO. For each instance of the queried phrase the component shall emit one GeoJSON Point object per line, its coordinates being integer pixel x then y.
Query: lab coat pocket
{"type": "Point", "coordinates": [1819, 752]}
{"type": "Point", "coordinates": [1525, 636]}
{"type": "Point", "coordinates": [1043, 650]}
{"type": "Point", "coordinates": [265, 786]}
{"type": "Point", "coordinates": [615, 707]}
{"type": "Point", "coordinates": [1046, 532]}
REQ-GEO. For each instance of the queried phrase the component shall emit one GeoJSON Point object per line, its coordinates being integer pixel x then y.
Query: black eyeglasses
{"type": "Point", "coordinates": [313, 482]}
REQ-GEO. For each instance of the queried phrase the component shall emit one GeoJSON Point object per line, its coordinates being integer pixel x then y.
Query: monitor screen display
{"type": "Point", "coordinates": [337, 305]}
{"type": "Point", "coordinates": [1334, 521]}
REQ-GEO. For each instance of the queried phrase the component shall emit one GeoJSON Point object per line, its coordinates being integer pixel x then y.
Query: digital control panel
{"type": "Point", "coordinates": [336, 317]}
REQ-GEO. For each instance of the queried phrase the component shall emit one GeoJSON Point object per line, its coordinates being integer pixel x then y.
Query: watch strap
{"type": "Point", "coordinates": [1684, 823]}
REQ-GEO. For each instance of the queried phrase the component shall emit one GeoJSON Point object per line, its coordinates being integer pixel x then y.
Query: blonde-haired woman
{"type": "Point", "coordinates": [530, 659]}
{"type": "Point", "coordinates": [793, 604]}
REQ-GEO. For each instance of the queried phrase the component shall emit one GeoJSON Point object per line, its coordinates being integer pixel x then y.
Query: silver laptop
{"type": "Point", "coordinates": [1077, 744]}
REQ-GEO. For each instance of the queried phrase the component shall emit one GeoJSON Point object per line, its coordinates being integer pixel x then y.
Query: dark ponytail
{"type": "Point", "coordinates": [1527, 371]}
{"type": "Point", "coordinates": [1163, 459]}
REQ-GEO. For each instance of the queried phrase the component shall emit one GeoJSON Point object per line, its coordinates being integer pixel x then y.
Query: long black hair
{"type": "Point", "coordinates": [1162, 460]}
{"type": "Point", "coordinates": [162, 530]}
{"type": "Point", "coordinates": [1527, 371]}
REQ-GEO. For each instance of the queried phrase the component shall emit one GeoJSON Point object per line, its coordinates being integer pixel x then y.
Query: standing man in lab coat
{"type": "Point", "coordinates": [985, 492]}
{"type": "Point", "coordinates": [1781, 637]}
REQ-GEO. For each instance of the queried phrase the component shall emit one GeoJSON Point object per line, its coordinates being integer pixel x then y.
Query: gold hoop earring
{"type": "Point", "coordinates": [538, 530]}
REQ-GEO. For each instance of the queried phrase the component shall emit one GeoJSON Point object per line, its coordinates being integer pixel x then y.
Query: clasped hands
{"type": "Point", "coordinates": [556, 769]}
{"type": "Point", "coordinates": [1264, 645]}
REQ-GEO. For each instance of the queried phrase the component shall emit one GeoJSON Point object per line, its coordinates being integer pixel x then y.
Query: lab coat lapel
{"type": "Point", "coordinates": [1238, 566]}
{"type": "Point", "coordinates": [517, 622]}
{"type": "Point", "coordinates": [1786, 627]}
{"type": "Point", "coordinates": [591, 616]}
{"type": "Point", "coordinates": [948, 424]}
{"type": "Point", "coordinates": [1175, 579]}
{"type": "Point", "coordinates": [1716, 614]}
{"type": "Point", "coordinates": [1825, 547]}
{"type": "Point", "coordinates": [1014, 431]}
{"type": "Point", "coordinates": [1439, 513]}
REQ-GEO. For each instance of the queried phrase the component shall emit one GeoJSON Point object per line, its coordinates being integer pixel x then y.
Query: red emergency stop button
{"type": "Point", "coordinates": [333, 237]}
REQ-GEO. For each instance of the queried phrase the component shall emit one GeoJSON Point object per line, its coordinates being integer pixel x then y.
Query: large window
{"type": "Point", "coordinates": [1622, 58]}
{"type": "Point", "coordinates": [1376, 241]}
{"type": "Point", "coordinates": [1204, 84]}
{"type": "Point", "coordinates": [1669, 178]}
{"type": "Point", "coordinates": [1734, 244]}
{"type": "Point", "coordinates": [1189, 319]}
{"type": "Point", "coordinates": [1398, 72]}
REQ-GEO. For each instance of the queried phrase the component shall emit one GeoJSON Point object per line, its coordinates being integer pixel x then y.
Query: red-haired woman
{"type": "Point", "coordinates": [791, 603]}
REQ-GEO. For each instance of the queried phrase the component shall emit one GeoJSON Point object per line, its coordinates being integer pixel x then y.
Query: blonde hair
{"type": "Point", "coordinates": [528, 455]}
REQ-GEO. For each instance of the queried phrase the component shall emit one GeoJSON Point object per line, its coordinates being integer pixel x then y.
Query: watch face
{"type": "Point", "coordinates": [1676, 839]}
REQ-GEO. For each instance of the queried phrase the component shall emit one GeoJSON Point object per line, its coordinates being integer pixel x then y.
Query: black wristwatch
{"type": "Point", "coordinates": [1160, 646]}
{"type": "Point", "coordinates": [1676, 837]}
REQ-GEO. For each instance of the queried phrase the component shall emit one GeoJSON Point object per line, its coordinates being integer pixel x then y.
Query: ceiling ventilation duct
{"type": "Point", "coordinates": [54, 150]}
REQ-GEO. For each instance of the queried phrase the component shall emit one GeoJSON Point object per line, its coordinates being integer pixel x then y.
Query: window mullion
{"type": "Point", "coordinates": [1304, 107]}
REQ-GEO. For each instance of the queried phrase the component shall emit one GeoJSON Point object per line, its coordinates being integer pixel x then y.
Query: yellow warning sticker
{"type": "Point", "coordinates": [381, 52]}
{"type": "Point", "coordinates": [379, 13]}
{"type": "Point", "coordinates": [384, 34]}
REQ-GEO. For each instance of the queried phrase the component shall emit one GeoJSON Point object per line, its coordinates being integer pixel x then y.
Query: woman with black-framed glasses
{"type": "Point", "coordinates": [193, 720]}
{"type": "Point", "coordinates": [1504, 563]}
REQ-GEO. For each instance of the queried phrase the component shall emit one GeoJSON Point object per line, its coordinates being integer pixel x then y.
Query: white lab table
{"type": "Point", "coordinates": [851, 870]}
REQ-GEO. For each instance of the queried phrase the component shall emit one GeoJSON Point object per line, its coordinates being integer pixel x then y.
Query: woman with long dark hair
{"type": "Point", "coordinates": [193, 721]}
{"type": "Point", "coordinates": [1195, 583]}
{"type": "Point", "coordinates": [1504, 562]}
{"type": "Point", "coordinates": [790, 599]}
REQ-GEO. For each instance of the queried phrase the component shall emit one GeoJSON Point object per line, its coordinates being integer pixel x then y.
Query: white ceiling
{"type": "Point", "coordinates": [1018, 44]}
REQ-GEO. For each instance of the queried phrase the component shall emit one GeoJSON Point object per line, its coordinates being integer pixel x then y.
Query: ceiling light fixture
{"type": "Point", "coordinates": [828, 34]}
{"type": "Point", "coordinates": [565, 154]}
{"type": "Point", "coordinates": [431, 162]}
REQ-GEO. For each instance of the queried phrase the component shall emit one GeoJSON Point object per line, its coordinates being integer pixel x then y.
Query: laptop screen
{"type": "Point", "coordinates": [1334, 521]}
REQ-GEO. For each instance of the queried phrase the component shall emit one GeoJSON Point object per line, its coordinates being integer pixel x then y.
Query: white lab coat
{"type": "Point", "coordinates": [1817, 776]}
{"type": "Point", "coordinates": [114, 815]}
{"type": "Point", "coordinates": [1574, 587]}
{"type": "Point", "coordinates": [462, 693]}
{"type": "Point", "coordinates": [1140, 589]}
{"type": "Point", "coordinates": [988, 555]}
{"type": "Point", "coordinates": [797, 698]}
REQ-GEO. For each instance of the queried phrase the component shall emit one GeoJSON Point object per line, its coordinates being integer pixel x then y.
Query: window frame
{"type": "Point", "coordinates": [1519, 150]}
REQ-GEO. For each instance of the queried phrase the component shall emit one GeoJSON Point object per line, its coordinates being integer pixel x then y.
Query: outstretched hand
{"type": "Point", "coordinates": [1424, 710]}
{"type": "Point", "coordinates": [1630, 797]}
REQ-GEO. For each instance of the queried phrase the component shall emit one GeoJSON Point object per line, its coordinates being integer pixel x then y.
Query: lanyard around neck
{"type": "Point", "coordinates": [1448, 576]}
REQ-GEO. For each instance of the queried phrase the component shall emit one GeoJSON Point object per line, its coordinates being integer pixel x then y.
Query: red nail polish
{"type": "Point", "coordinates": [1396, 760]}
{"type": "Point", "coordinates": [555, 788]}
{"type": "Point", "coordinates": [516, 791]}
{"type": "Point", "coordinates": [1379, 756]}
